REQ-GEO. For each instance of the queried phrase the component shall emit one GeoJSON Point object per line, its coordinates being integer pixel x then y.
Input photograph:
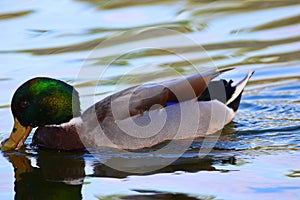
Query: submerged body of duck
{"type": "Point", "coordinates": [137, 117]}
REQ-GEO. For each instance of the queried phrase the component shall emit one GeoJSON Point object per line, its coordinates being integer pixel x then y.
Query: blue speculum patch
{"type": "Point", "coordinates": [171, 103]}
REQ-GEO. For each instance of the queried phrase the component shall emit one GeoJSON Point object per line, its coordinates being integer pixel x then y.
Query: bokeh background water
{"type": "Point", "coordinates": [257, 155]}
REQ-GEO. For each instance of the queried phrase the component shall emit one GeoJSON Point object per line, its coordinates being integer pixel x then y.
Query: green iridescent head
{"type": "Point", "coordinates": [39, 102]}
{"type": "Point", "coordinates": [45, 101]}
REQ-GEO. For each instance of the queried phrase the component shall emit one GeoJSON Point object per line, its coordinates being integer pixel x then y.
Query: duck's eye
{"type": "Point", "coordinates": [24, 104]}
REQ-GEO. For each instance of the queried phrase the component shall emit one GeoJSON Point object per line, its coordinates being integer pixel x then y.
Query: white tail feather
{"type": "Point", "coordinates": [239, 87]}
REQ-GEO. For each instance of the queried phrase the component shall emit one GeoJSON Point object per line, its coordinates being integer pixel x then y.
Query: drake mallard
{"type": "Point", "coordinates": [53, 107]}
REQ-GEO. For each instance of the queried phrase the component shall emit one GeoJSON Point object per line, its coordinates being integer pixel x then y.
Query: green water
{"type": "Point", "coordinates": [127, 42]}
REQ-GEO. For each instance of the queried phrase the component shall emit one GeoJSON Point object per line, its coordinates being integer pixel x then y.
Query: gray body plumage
{"type": "Point", "coordinates": [146, 115]}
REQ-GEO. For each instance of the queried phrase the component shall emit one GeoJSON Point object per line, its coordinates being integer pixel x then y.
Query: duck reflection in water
{"type": "Point", "coordinates": [55, 177]}
{"type": "Point", "coordinates": [61, 176]}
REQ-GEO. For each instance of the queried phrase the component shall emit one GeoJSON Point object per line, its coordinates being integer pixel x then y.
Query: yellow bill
{"type": "Point", "coordinates": [17, 137]}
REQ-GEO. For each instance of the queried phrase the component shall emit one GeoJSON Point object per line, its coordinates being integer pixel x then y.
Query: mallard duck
{"type": "Point", "coordinates": [137, 117]}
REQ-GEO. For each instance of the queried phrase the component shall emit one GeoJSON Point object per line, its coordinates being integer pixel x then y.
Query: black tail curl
{"type": "Point", "coordinates": [222, 91]}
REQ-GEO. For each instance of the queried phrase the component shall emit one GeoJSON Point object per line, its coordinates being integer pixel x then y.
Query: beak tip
{"type": "Point", "coordinates": [17, 137]}
{"type": "Point", "coordinates": [3, 142]}
{"type": "Point", "coordinates": [7, 145]}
